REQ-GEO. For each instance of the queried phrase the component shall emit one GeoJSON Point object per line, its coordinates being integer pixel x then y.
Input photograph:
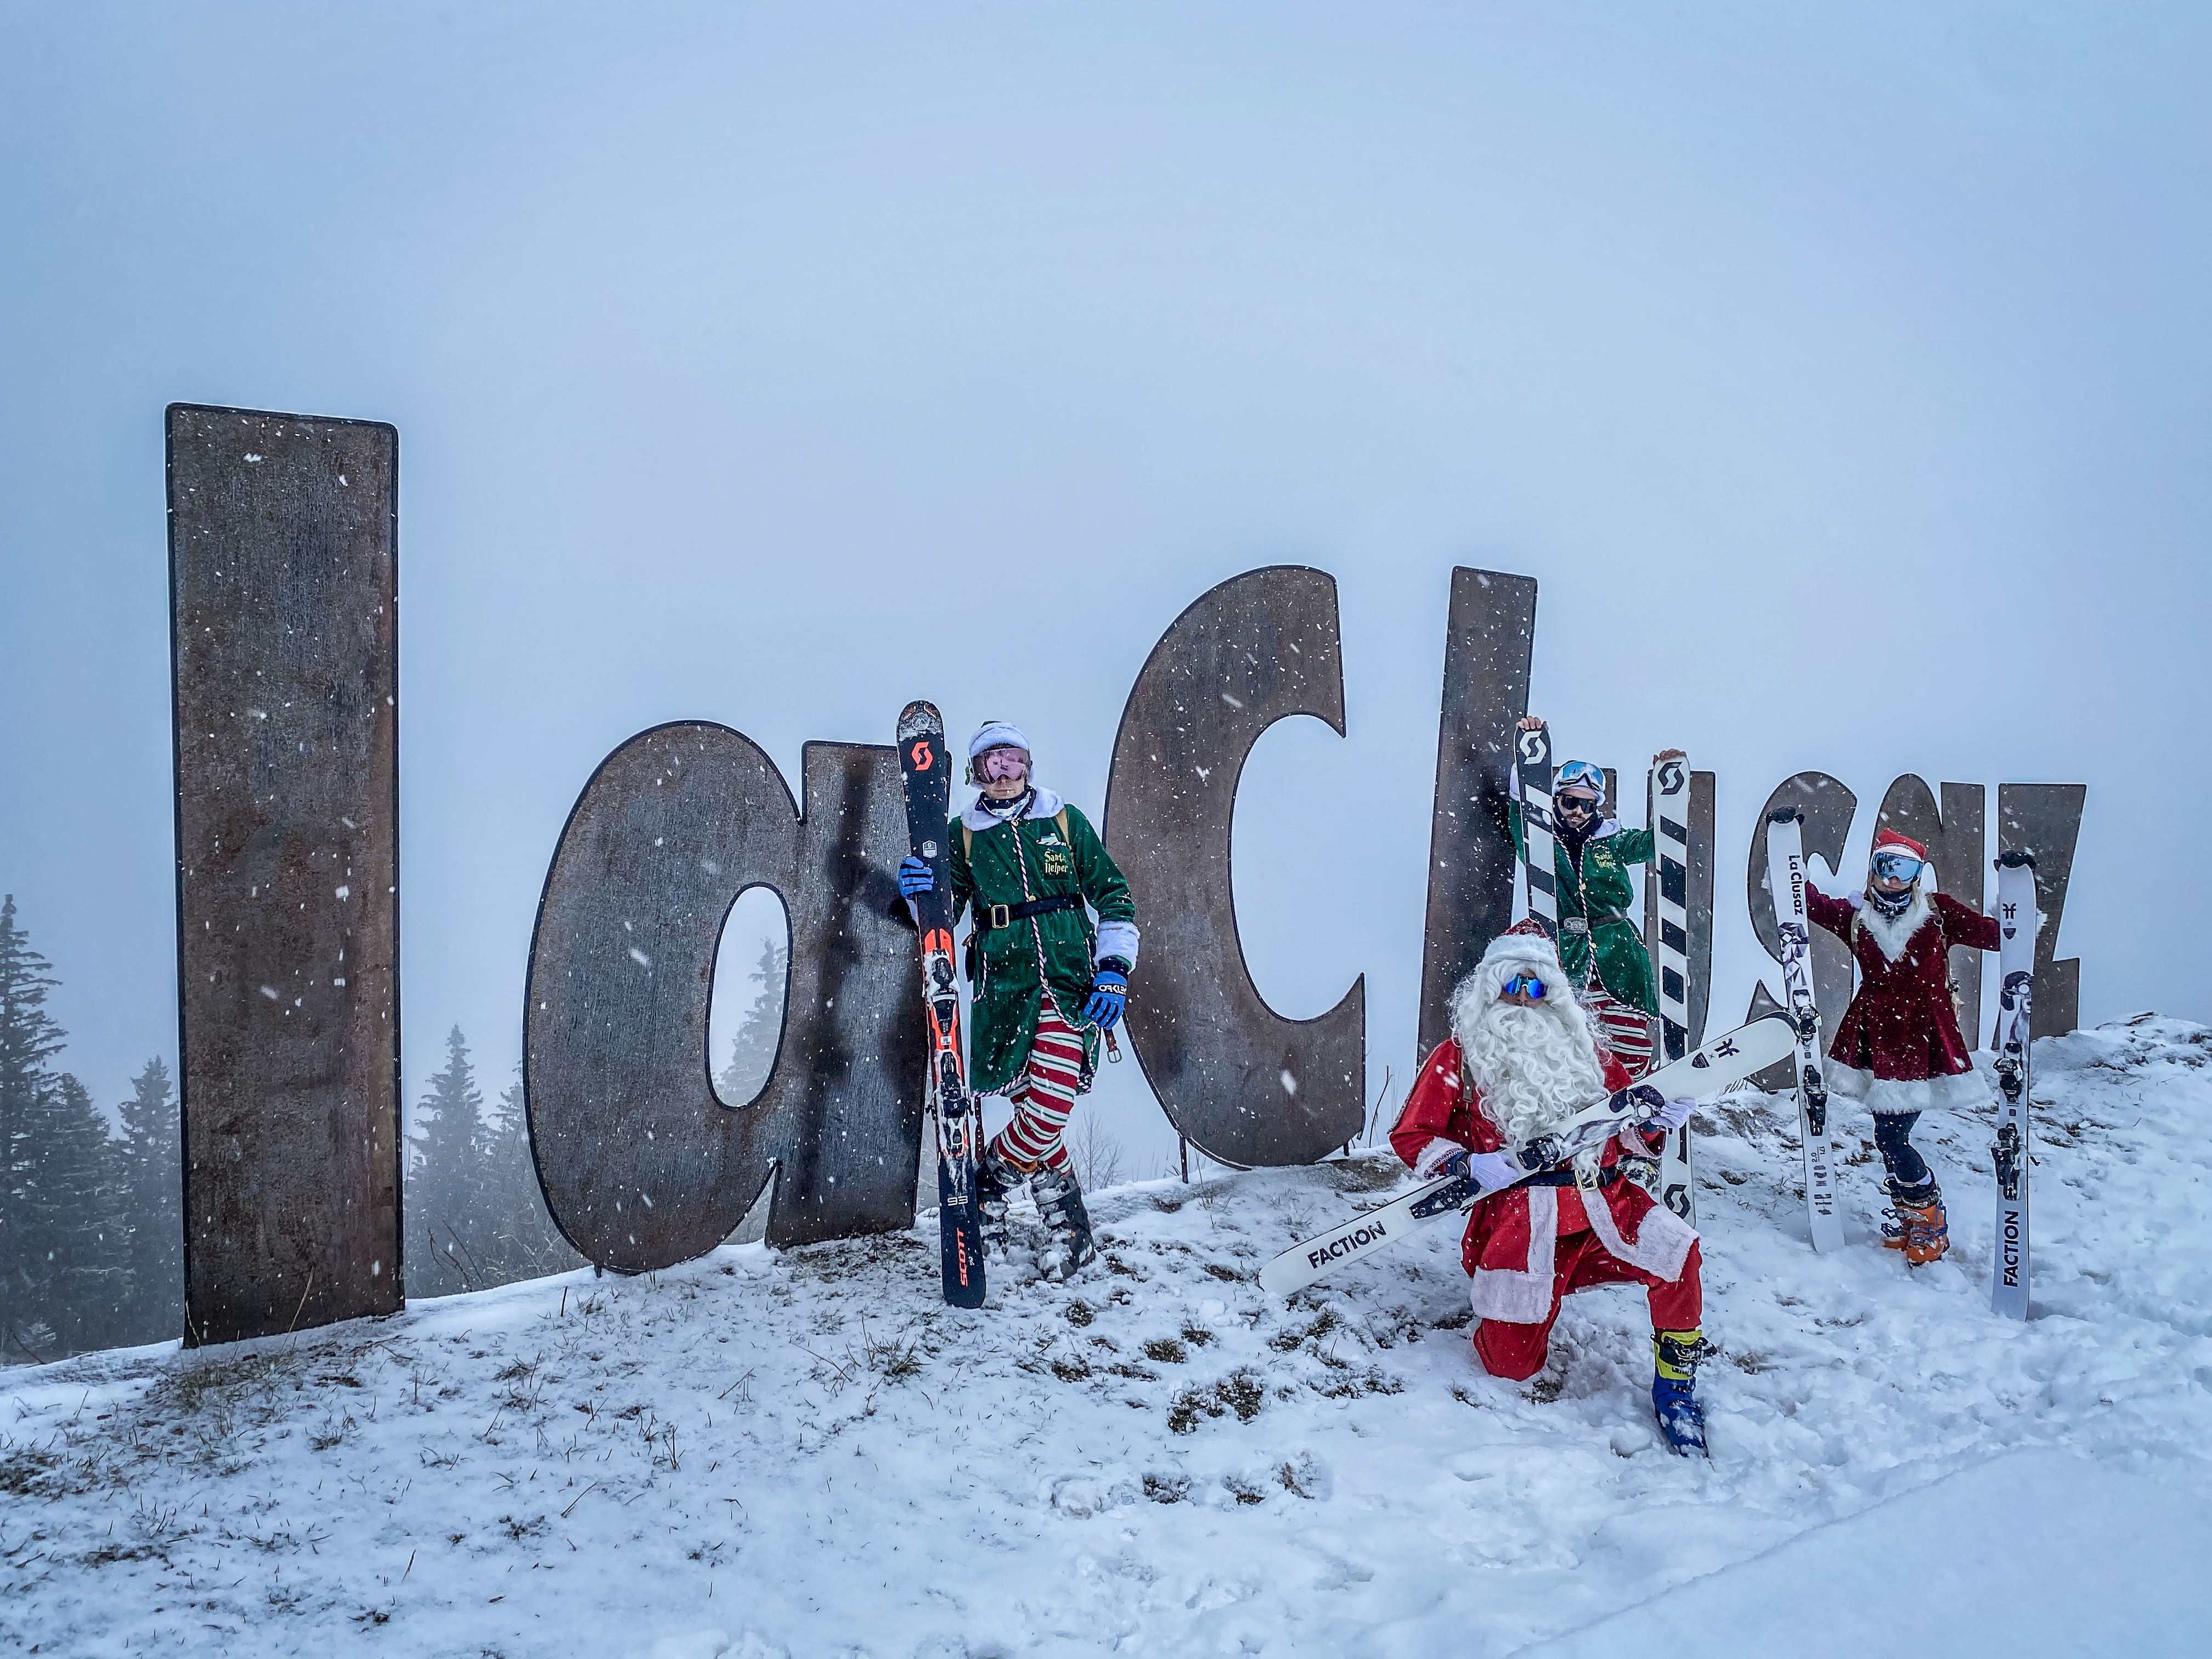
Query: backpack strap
{"type": "Point", "coordinates": [967, 840]}
{"type": "Point", "coordinates": [1060, 818]}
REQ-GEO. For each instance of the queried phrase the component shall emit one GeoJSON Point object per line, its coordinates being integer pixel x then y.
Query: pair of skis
{"type": "Point", "coordinates": [1701, 1072]}
{"type": "Point", "coordinates": [2018, 919]}
{"type": "Point", "coordinates": [1670, 949]}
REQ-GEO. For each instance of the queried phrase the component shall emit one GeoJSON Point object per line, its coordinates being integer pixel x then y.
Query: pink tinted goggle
{"type": "Point", "coordinates": [1002, 765]}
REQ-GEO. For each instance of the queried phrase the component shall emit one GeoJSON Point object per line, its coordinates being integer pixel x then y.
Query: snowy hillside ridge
{"type": "Point", "coordinates": [805, 1452]}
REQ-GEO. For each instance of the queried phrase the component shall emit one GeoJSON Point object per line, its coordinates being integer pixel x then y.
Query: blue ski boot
{"type": "Point", "coordinates": [1675, 1356]}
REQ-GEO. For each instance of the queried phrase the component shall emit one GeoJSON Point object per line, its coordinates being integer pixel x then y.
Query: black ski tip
{"type": "Point", "coordinates": [961, 1239]}
{"type": "Point", "coordinates": [920, 719]}
{"type": "Point", "coordinates": [2016, 857]}
{"type": "Point", "coordinates": [1785, 815]}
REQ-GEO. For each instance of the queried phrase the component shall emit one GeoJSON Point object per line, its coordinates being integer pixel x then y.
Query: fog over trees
{"type": "Point", "coordinates": [92, 1224]}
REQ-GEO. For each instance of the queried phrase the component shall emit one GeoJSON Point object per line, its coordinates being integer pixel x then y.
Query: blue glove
{"type": "Point", "coordinates": [915, 878]}
{"type": "Point", "coordinates": [1109, 994]}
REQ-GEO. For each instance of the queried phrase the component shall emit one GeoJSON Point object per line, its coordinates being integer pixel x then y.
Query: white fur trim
{"type": "Point", "coordinates": [1893, 936]}
{"type": "Point", "coordinates": [1524, 1297]}
{"type": "Point", "coordinates": [1433, 1154]}
{"type": "Point", "coordinates": [1532, 949]}
{"type": "Point", "coordinates": [1118, 939]}
{"type": "Point", "coordinates": [1662, 1240]}
{"type": "Point", "coordinates": [1047, 804]}
{"type": "Point", "coordinates": [998, 734]}
{"type": "Point", "coordinates": [1962, 1091]}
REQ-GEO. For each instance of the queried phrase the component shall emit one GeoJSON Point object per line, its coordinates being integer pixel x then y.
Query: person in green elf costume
{"type": "Point", "coordinates": [1598, 946]}
{"type": "Point", "coordinates": [1048, 985]}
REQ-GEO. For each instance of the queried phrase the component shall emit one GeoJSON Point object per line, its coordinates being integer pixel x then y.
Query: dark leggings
{"type": "Point", "coordinates": [1892, 1138]}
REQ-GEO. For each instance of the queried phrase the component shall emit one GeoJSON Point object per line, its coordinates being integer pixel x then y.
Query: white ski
{"type": "Point", "coordinates": [2018, 920]}
{"type": "Point", "coordinates": [1785, 876]}
{"type": "Point", "coordinates": [1670, 958]}
{"type": "Point", "coordinates": [1705, 1071]}
{"type": "Point", "coordinates": [1537, 857]}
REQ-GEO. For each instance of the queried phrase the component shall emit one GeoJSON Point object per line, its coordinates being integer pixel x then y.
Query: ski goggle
{"type": "Point", "coordinates": [1526, 984]}
{"type": "Point", "coordinates": [1580, 775]}
{"type": "Point", "coordinates": [1002, 765]}
{"type": "Point", "coordinates": [1897, 866]}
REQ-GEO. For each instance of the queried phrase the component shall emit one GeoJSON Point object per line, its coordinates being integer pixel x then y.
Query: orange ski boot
{"type": "Point", "coordinates": [1927, 1229]}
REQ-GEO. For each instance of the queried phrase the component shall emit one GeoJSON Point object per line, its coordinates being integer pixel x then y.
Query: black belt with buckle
{"type": "Point", "coordinates": [989, 917]}
{"type": "Point", "coordinates": [1566, 1177]}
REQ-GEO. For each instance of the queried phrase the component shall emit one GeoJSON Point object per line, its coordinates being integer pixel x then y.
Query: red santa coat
{"type": "Point", "coordinates": [1899, 1047]}
{"type": "Point", "coordinates": [1511, 1243]}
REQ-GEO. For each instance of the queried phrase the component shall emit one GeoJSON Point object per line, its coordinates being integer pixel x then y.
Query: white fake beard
{"type": "Point", "coordinates": [1535, 1067]}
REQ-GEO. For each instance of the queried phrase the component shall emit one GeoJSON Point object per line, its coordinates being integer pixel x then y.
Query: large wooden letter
{"type": "Point", "coordinates": [1242, 1083]}
{"type": "Point", "coordinates": [2045, 819]}
{"type": "Point", "coordinates": [284, 641]}
{"type": "Point", "coordinates": [1488, 642]}
{"type": "Point", "coordinates": [1957, 845]}
{"type": "Point", "coordinates": [642, 1167]}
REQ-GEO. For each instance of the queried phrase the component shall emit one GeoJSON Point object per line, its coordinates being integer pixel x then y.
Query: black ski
{"type": "Point", "coordinates": [926, 772]}
{"type": "Point", "coordinates": [1533, 758]}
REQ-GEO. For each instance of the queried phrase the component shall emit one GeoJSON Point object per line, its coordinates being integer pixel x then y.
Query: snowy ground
{"type": "Point", "coordinates": [805, 1453]}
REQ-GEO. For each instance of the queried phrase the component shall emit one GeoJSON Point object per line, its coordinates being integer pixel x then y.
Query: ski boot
{"type": "Point", "coordinates": [1675, 1356]}
{"type": "Point", "coordinates": [1060, 1207]}
{"type": "Point", "coordinates": [996, 1183]}
{"type": "Point", "coordinates": [1927, 1230]}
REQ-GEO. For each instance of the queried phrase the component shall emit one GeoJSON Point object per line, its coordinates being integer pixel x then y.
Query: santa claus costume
{"type": "Point", "coordinates": [1521, 1061]}
{"type": "Point", "coordinates": [1899, 1048]}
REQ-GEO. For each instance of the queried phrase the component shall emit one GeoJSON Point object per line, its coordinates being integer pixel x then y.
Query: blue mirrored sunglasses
{"type": "Point", "coordinates": [1896, 866]}
{"type": "Point", "coordinates": [1523, 984]}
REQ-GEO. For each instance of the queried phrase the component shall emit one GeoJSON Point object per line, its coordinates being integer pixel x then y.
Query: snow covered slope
{"type": "Point", "coordinates": [805, 1453]}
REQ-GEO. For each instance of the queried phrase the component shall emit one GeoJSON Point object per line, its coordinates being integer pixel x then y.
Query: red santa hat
{"type": "Point", "coordinates": [1888, 841]}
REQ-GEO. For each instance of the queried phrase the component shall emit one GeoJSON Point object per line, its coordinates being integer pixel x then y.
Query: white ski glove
{"type": "Point", "coordinates": [1672, 1116]}
{"type": "Point", "coordinates": [1493, 1169]}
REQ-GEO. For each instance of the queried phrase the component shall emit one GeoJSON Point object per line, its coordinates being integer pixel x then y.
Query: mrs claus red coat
{"type": "Point", "coordinates": [1899, 1048]}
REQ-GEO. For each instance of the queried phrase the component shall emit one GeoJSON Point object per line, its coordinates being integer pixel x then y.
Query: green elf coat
{"type": "Point", "coordinates": [1052, 850]}
{"type": "Point", "coordinates": [1599, 892]}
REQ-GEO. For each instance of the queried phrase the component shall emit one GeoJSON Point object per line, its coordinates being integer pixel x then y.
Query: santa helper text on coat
{"type": "Point", "coordinates": [1899, 1048]}
{"type": "Point", "coordinates": [1046, 985]}
{"type": "Point", "coordinates": [1600, 947]}
{"type": "Point", "coordinates": [1522, 1060]}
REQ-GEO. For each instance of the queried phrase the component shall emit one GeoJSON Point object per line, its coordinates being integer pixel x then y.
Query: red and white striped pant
{"type": "Point", "coordinates": [1625, 1030]}
{"type": "Point", "coordinates": [1044, 1095]}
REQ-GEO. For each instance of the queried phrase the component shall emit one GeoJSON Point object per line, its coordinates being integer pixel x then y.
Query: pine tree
{"type": "Point", "coordinates": [77, 1217]}
{"type": "Point", "coordinates": [524, 1243]}
{"type": "Point", "coordinates": [445, 1177]}
{"type": "Point", "coordinates": [152, 1156]}
{"type": "Point", "coordinates": [29, 1039]}
{"type": "Point", "coordinates": [752, 1052]}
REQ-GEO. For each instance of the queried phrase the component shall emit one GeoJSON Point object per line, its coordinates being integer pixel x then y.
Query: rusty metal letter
{"type": "Point", "coordinates": [1956, 843]}
{"type": "Point", "coordinates": [1488, 642]}
{"type": "Point", "coordinates": [1828, 807]}
{"type": "Point", "coordinates": [1245, 1085]}
{"type": "Point", "coordinates": [283, 561]}
{"type": "Point", "coordinates": [2045, 819]}
{"type": "Point", "coordinates": [641, 1166]}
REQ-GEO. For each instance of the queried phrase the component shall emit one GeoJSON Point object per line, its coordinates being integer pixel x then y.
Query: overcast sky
{"type": "Point", "coordinates": [1841, 372]}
